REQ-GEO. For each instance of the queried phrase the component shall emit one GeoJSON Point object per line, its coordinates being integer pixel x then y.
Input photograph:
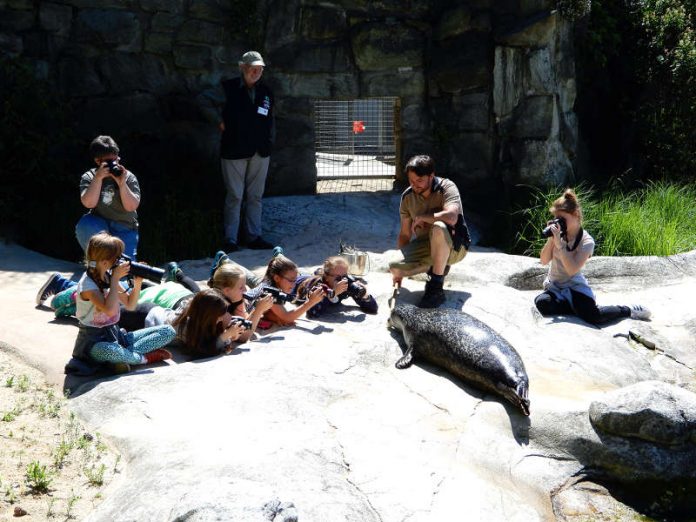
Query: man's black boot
{"type": "Point", "coordinates": [434, 295]}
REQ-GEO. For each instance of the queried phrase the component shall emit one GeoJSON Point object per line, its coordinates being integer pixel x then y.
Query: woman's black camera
{"type": "Point", "coordinates": [560, 221]}
{"type": "Point", "coordinates": [113, 167]}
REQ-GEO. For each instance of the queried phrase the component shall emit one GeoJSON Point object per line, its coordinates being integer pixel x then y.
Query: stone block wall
{"type": "Point", "coordinates": [486, 87]}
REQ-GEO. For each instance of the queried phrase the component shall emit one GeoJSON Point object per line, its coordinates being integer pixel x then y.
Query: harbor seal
{"type": "Point", "coordinates": [464, 346]}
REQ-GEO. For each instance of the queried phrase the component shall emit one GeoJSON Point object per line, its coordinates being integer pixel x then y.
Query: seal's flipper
{"type": "Point", "coordinates": [406, 360]}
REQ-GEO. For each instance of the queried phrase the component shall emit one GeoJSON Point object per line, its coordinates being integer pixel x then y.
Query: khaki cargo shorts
{"type": "Point", "coordinates": [417, 253]}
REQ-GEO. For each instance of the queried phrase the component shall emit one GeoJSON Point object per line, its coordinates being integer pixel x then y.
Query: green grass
{"type": "Point", "coordinates": [659, 219]}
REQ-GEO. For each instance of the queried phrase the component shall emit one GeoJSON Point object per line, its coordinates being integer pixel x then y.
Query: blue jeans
{"type": "Point", "coordinates": [89, 224]}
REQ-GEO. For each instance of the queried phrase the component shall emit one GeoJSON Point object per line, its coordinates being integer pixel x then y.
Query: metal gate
{"type": "Point", "coordinates": [356, 144]}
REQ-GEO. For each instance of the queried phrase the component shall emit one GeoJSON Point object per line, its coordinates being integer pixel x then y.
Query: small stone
{"type": "Point", "coordinates": [19, 512]}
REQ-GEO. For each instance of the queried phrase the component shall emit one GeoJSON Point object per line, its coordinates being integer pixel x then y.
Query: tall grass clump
{"type": "Point", "coordinates": [658, 219]}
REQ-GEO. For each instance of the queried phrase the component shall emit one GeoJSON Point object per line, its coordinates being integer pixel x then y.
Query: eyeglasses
{"type": "Point", "coordinates": [288, 279]}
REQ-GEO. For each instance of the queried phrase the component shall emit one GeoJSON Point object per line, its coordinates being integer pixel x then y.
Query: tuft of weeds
{"type": "Point", "coordinates": [95, 474]}
{"type": "Point", "coordinates": [61, 453]}
{"type": "Point", "coordinates": [9, 382]}
{"type": "Point", "coordinates": [70, 504]}
{"type": "Point", "coordinates": [49, 511]}
{"type": "Point", "coordinates": [23, 383]}
{"type": "Point", "coordinates": [11, 415]}
{"type": "Point", "coordinates": [37, 478]}
{"type": "Point", "coordinates": [10, 495]}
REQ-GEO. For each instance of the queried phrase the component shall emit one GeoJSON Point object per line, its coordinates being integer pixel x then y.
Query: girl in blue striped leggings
{"type": "Point", "coordinates": [97, 308]}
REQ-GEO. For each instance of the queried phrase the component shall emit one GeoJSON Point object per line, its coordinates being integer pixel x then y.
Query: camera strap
{"type": "Point", "coordinates": [578, 238]}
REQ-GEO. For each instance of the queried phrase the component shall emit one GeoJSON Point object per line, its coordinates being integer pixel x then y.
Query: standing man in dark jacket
{"type": "Point", "coordinates": [248, 133]}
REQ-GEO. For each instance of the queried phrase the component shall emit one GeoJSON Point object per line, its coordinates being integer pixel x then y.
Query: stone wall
{"type": "Point", "coordinates": [486, 87]}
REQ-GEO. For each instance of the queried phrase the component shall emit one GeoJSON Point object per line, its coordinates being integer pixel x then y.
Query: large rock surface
{"type": "Point", "coordinates": [315, 423]}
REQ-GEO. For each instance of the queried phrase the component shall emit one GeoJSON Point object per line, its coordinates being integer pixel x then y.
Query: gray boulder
{"type": "Point", "coordinates": [651, 411]}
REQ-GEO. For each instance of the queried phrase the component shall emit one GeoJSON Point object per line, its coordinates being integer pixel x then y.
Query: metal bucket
{"type": "Point", "coordinates": [358, 261]}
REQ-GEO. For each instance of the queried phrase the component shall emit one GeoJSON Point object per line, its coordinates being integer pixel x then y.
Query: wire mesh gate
{"type": "Point", "coordinates": [356, 144]}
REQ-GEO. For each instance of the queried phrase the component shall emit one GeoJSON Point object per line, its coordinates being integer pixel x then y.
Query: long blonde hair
{"type": "Point", "coordinates": [227, 275]}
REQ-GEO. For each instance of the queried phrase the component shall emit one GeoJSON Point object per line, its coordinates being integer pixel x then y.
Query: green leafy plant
{"type": "Point", "coordinates": [95, 474]}
{"type": "Point", "coordinates": [11, 415]}
{"type": "Point", "coordinates": [23, 383]}
{"type": "Point", "coordinates": [9, 382]}
{"type": "Point", "coordinates": [61, 452]}
{"type": "Point", "coordinates": [37, 478]}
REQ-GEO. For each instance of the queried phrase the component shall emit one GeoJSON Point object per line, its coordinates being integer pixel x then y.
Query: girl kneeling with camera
{"type": "Point", "coordinates": [566, 291]}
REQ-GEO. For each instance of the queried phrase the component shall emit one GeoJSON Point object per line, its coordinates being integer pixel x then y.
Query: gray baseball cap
{"type": "Point", "coordinates": [252, 58]}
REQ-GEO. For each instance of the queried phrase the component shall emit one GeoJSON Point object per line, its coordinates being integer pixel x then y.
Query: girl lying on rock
{"type": "Point", "coordinates": [279, 280]}
{"type": "Point", "coordinates": [231, 280]}
{"type": "Point", "coordinates": [98, 298]}
{"type": "Point", "coordinates": [207, 326]}
{"type": "Point", "coordinates": [338, 285]}
{"type": "Point", "coordinates": [568, 248]}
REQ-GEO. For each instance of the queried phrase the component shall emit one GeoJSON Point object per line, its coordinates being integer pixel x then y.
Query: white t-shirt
{"type": "Point", "coordinates": [86, 312]}
{"type": "Point", "coordinates": [557, 272]}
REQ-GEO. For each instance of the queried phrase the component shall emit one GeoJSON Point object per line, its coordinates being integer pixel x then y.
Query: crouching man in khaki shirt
{"type": "Point", "coordinates": [433, 233]}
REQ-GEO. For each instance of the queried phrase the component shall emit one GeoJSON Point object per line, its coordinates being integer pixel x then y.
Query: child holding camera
{"type": "Point", "coordinates": [112, 195]}
{"type": "Point", "coordinates": [338, 285]}
{"type": "Point", "coordinates": [280, 280]}
{"type": "Point", "coordinates": [99, 294]}
{"type": "Point", "coordinates": [207, 326]}
{"type": "Point", "coordinates": [230, 279]}
{"type": "Point", "coordinates": [566, 291]}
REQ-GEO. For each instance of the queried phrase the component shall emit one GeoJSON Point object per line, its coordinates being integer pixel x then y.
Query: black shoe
{"type": "Point", "coordinates": [432, 299]}
{"type": "Point", "coordinates": [434, 295]}
{"type": "Point", "coordinates": [259, 243]}
{"type": "Point", "coordinates": [230, 246]}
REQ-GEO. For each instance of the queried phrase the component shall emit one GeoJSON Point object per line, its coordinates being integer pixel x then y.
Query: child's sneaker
{"type": "Point", "coordinates": [157, 355]}
{"type": "Point", "coordinates": [220, 258]}
{"type": "Point", "coordinates": [639, 312]}
{"type": "Point", "coordinates": [51, 287]}
{"type": "Point", "coordinates": [172, 271]}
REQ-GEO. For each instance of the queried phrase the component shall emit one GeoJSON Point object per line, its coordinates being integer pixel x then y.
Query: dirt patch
{"type": "Point", "coordinates": [51, 466]}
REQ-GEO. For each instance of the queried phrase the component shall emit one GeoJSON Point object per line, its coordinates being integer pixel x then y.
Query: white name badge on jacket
{"type": "Point", "coordinates": [263, 111]}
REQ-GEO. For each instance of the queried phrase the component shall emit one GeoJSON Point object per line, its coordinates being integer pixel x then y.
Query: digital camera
{"type": "Point", "coordinates": [151, 273]}
{"type": "Point", "coordinates": [355, 289]}
{"type": "Point", "coordinates": [561, 222]}
{"type": "Point", "coordinates": [241, 321]}
{"type": "Point", "coordinates": [113, 167]}
{"type": "Point", "coordinates": [279, 297]}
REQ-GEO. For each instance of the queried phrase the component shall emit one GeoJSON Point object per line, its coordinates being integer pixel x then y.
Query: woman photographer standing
{"type": "Point", "coordinates": [566, 290]}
